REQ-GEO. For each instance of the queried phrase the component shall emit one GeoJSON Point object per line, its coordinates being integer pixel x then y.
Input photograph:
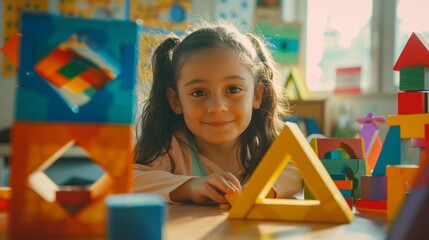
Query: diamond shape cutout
{"type": "Point", "coordinates": [70, 193]}
{"type": "Point", "coordinates": [78, 68]}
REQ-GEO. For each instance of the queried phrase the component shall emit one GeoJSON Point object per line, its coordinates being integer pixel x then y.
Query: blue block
{"type": "Point", "coordinates": [346, 193]}
{"type": "Point", "coordinates": [334, 154]}
{"type": "Point", "coordinates": [390, 153]}
{"type": "Point", "coordinates": [135, 216]}
{"type": "Point", "coordinates": [352, 168]}
{"type": "Point", "coordinates": [114, 40]}
{"type": "Point", "coordinates": [338, 176]}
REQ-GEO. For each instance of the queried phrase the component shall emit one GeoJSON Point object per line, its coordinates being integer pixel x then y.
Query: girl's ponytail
{"type": "Point", "coordinates": [158, 121]}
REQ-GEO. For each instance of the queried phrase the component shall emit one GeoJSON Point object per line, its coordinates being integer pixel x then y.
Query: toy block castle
{"type": "Point", "coordinates": [76, 88]}
{"type": "Point", "coordinates": [410, 213]}
{"type": "Point", "coordinates": [344, 159]}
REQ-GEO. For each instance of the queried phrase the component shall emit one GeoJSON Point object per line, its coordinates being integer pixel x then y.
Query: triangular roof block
{"type": "Point", "coordinates": [252, 203]}
{"type": "Point", "coordinates": [414, 54]}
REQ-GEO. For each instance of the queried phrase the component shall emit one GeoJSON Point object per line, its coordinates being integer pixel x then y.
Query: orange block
{"type": "Point", "coordinates": [374, 153]}
{"type": "Point", "coordinates": [344, 184]}
{"type": "Point", "coordinates": [36, 146]}
{"type": "Point", "coordinates": [399, 179]}
{"type": "Point", "coordinates": [5, 192]}
{"type": "Point", "coordinates": [51, 63]}
{"type": "Point", "coordinates": [57, 79]}
{"type": "Point", "coordinates": [11, 48]}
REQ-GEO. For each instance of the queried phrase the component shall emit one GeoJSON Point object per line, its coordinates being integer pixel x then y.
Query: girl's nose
{"type": "Point", "coordinates": [217, 104]}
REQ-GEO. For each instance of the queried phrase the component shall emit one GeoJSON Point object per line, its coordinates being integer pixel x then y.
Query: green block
{"type": "Point", "coordinates": [352, 168]}
{"type": "Point", "coordinates": [74, 68]}
{"type": "Point", "coordinates": [414, 79]}
{"type": "Point", "coordinates": [307, 193]}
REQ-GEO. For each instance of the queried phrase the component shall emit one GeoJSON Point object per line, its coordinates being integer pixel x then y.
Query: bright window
{"type": "Point", "coordinates": [338, 35]}
{"type": "Point", "coordinates": [412, 16]}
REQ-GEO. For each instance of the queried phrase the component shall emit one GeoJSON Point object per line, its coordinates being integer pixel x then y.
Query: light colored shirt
{"type": "Point", "coordinates": [157, 176]}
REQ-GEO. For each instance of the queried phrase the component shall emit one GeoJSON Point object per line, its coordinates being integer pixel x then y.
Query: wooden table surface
{"type": "Point", "coordinates": [209, 222]}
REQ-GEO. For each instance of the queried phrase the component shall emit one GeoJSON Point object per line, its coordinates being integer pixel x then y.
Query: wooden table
{"type": "Point", "coordinates": [209, 222]}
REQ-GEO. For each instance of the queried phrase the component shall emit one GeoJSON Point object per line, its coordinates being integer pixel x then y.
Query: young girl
{"type": "Point", "coordinates": [211, 115]}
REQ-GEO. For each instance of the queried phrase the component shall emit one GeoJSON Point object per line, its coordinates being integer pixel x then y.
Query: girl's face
{"type": "Point", "coordinates": [216, 95]}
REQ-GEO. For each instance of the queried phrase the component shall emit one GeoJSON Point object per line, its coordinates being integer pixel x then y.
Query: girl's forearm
{"type": "Point", "coordinates": [182, 193]}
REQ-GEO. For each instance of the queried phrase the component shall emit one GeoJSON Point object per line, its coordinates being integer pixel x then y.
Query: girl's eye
{"type": "Point", "coordinates": [234, 89]}
{"type": "Point", "coordinates": [198, 93]}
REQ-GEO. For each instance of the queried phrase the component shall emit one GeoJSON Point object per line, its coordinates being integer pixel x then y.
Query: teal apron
{"type": "Point", "coordinates": [197, 169]}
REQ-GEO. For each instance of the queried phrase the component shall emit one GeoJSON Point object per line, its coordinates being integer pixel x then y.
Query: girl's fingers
{"type": "Point", "coordinates": [220, 183]}
{"type": "Point", "coordinates": [214, 195]}
{"type": "Point", "coordinates": [232, 179]}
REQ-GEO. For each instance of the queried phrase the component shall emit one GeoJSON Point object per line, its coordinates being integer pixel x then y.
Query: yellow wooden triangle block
{"type": "Point", "coordinates": [296, 88]}
{"type": "Point", "coordinates": [329, 206]}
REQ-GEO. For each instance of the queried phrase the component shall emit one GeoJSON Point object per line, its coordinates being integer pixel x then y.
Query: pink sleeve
{"type": "Point", "coordinates": [289, 183]}
{"type": "Point", "coordinates": [157, 176]}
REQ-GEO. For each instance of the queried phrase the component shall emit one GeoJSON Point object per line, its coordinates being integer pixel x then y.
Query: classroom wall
{"type": "Point", "coordinates": [359, 105]}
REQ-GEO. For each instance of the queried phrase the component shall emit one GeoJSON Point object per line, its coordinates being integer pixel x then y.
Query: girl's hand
{"type": "Point", "coordinates": [212, 187]}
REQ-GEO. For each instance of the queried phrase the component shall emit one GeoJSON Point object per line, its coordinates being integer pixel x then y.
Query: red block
{"type": "Point", "coordinates": [412, 102]}
{"type": "Point", "coordinates": [415, 53]}
{"type": "Point", "coordinates": [96, 77]}
{"type": "Point", "coordinates": [377, 205]}
{"type": "Point", "coordinates": [349, 202]}
{"type": "Point", "coordinates": [353, 146]}
{"type": "Point", "coordinates": [4, 204]}
{"type": "Point", "coordinates": [73, 198]}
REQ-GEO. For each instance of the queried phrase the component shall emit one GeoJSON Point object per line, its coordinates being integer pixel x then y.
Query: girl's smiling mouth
{"type": "Point", "coordinates": [218, 123]}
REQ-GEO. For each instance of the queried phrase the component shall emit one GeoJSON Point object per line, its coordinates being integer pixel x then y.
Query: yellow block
{"type": "Point", "coordinates": [397, 178]}
{"type": "Point", "coordinates": [329, 206]}
{"type": "Point", "coordinates": [411, 125]}
{"type": "Point", "coordinates": [77, 85]}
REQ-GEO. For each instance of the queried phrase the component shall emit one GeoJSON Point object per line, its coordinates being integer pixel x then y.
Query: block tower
{"type": "Point", "coordinates": [413, 64]}
{"type": "Point", "coordinates": [411, 216]}
{"type": "Point", "coordinates": [76, 81]}
{"type": "Point", "coordinates": [385, 190]}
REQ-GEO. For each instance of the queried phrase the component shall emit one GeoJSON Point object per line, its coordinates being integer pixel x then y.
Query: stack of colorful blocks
{"type": "Point", "coordinates": [344, 159]}
{"type": "Point", "coordinates": [373, 187]}
{"type": "Point", "coordinates": [411, 213]}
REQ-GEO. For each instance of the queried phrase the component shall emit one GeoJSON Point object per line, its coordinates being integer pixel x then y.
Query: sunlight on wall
{"type": "Point", "coordinates": [411, 17]}
{"type": "Point", "coordinates": [338, 35]}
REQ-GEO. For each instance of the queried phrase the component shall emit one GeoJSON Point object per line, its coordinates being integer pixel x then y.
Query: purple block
{"type": "Point", "coordinates": [373, 187]}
